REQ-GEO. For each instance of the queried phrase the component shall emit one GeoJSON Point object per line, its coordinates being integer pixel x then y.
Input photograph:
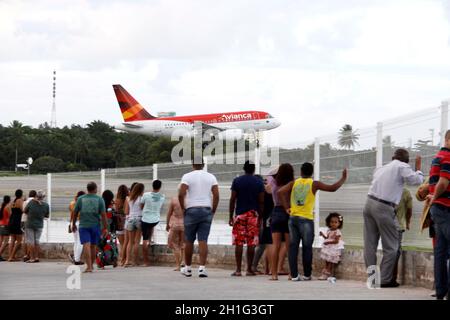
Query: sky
{"type": "Point", "coordinates": [315, 65]}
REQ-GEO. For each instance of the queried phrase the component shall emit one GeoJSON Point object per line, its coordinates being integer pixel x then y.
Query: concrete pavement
{"type": "Point", "coordinates": [48, 280]}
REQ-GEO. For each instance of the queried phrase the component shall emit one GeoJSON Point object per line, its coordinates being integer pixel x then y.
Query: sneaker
{"type": "Point", "coordinates": [202, 273]}
{"type": "Point", "coordinates": [78, 263]}
{"type": "Point", "coordinates": [331, 279]}
{"type": "Point", "coordinates": [186, 272]}
{"type": "Point", "coordinates": [71, 258]}
{"type": "Point", "coordinates": [1, 259]}
{"type": "Point", "coordinates": [297, 278]}
{"type": "Point", "coordinates": [304, 278]}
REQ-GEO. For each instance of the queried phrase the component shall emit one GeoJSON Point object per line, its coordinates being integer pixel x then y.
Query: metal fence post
{"type": "Point", "coordinates": [444, 122]}
{"type": "Point", "coordinates": [257, 159]}
{"type": "Point", "coordinates": [155, 171]}
{"type": "Point", "coordinates": [103, 179]}
{"type": "Point", "coordinates": [317, 178]}
{"type": "Point", "coordinates": [379, 160]}
{"type": "Point", "coordinates": [205, 161]}
{"type": "Point", "coordinates": [49, 201]}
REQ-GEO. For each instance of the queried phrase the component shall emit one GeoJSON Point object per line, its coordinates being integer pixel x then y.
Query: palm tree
{"type": "Point", "coordinates": [17, 132]}
{"type": "Point", "coordinates": [347, 137]}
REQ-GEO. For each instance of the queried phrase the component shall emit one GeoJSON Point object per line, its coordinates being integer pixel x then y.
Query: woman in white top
{"type": "Point", "coordinates": [133, 212]}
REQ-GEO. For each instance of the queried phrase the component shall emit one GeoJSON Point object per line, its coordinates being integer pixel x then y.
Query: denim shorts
{"type": "Point", "coordinates": [89, 235]}
{"type": "Point", "coordinates": [197, 223]}
{"type": "Point", "coordinates": [32, 236]}
{"type": "Point", "coordinates": [133, 223]}
{"type": "Point", "coordinates": [279, 220]}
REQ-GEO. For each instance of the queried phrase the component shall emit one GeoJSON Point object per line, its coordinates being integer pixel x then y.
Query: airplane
{"type": "Point", "coordinates": [229, 125]}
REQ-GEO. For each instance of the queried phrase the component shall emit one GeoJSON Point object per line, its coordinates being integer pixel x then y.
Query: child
{"type": "Point", "coordinates": [331, 249]}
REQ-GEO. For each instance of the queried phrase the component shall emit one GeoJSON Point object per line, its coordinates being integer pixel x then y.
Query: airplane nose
{"type": "Point", "coordinates": [276, 123]}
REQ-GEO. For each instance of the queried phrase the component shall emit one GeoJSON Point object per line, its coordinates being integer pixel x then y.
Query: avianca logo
{"type": "Point", "coordinates": [236, 117]}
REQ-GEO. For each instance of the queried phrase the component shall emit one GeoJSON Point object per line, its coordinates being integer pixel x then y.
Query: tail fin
{"type": "Point", "coordinates": [131, 109]}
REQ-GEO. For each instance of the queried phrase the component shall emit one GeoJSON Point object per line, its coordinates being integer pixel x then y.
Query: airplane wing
{"type": "Point", "coordinates": [206, 126]}
{"type": "Point", "coordinates": [130, 125]}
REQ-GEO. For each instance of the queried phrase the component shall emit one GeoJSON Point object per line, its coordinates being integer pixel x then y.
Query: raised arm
{"type": "Point", "coordinates": [284, 195]}
{"type": "Point", "coordinates": [413, 177]}
{"type": "Point", "coordinates": [318, 185]}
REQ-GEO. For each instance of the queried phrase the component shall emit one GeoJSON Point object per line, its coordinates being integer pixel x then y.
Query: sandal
{"type": "Point", "coordinates": [236, 274]}
{"type": "Point", "coordinates": [32, 261]}
{"type": "Point", "coordinates": [323, 277]}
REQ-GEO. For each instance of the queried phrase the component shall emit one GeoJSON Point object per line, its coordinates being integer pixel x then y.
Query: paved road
{"type": "Point", "coordinates": [47, 280]}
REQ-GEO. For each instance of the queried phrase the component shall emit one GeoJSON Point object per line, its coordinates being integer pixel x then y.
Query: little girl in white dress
{"type": "Point", "coordinates": [333, 244]}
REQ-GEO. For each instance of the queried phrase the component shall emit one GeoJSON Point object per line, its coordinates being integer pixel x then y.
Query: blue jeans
{"type": "Point", "coordinates": [441, 219]}
{"type": "Point", "coordinates": [301, 229]}
{"type": "Point", "coordinates": [197, 223]}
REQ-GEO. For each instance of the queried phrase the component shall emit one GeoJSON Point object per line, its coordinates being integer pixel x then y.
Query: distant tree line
{"type": "Point", "coordinates": [78, 148]}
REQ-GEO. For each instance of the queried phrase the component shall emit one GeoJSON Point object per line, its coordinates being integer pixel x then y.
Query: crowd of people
{"type": "Point", "coordinates": [271, 215]}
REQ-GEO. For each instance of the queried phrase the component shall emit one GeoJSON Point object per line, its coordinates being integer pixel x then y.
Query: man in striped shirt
{"type": "Point", "coordinates": [440, 214]}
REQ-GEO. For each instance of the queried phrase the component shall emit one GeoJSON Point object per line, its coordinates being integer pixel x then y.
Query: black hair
{"type": "Point", "coordinates": [122, 192]}
{"type": "Point", "coordinates": [79, 194]}
{"type": "Point", "coordinates": [307, 169]}
{"type": "Point", "coordinates": [6, 200]}
{"type": "Point", "coordinates": [285, 174]}
{"type": "Point", "coordinates": [32, 193]}
{"type": "Point", "coordinates": [249, 168]}
{"type": "Point", "coordinates": [401, 155]}
{"type": "Point", "coordinates": [108, 197]}
{"type": "Point", "coordinates": [334, 215]}
{"type": "Point", "coordinates": [18, 193]}
{"type": "Point", "coordinates": [156, 184]}
{"type": "Point", "coordinates": [91, 186]}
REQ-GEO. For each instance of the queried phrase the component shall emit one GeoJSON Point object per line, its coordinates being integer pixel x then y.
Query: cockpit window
{"type": "Point", "coordinates": [268, 116]}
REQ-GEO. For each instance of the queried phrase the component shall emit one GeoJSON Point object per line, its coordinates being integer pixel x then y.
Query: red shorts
{"type": "Point", "coordinates": [246, 229]}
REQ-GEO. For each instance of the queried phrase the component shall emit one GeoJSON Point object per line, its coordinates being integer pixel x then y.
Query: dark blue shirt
{"type": "Point", "coordinates": [248, 188]}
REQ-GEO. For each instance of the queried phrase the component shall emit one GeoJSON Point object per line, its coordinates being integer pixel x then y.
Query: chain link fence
{"type": "Point", "coordinates": [360, 150]}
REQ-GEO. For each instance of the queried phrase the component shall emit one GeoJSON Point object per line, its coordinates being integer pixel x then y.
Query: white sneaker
{"type": "Point", "coordinates": [202, 273]}
{"type": "Point", "coordinates": [304, 278]}
{"type": "Point", "coordinates": [297, 278]}
{"type": "Point", "coordinates": [186, 272]}
{"type": "Point", "coordinates": [331, 279]}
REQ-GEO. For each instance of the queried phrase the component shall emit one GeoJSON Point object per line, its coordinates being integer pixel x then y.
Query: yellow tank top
{"type": "Point", "coordinates": [303, 199]}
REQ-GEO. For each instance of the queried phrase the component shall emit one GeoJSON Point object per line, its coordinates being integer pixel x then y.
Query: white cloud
{"type": "Point", "coordinates": [316, 65]}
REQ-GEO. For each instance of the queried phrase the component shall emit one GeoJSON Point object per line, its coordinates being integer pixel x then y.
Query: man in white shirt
{"type": "Point", "coordinates": [199, 197]}
{"type": "Point", "coordinates": [379, 212]}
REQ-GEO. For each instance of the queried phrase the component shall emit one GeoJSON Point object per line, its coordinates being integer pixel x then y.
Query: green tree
{"type": "Point", "coordinates": [17, 134]}
{"type": "Point", "coordinates": [347, 137]}
{"type": "Point", "coordinates": [48, 164]}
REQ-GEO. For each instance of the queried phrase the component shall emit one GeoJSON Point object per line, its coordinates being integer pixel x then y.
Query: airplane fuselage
{"type": "Point", "coordinates": [251, 120]}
